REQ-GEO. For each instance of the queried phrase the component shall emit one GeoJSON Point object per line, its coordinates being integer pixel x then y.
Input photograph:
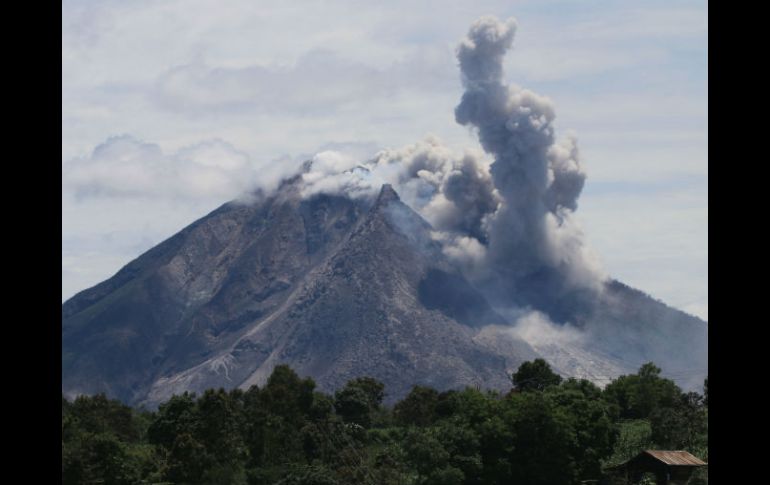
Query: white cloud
{"type": "Point", "coordinates": [123, 166]}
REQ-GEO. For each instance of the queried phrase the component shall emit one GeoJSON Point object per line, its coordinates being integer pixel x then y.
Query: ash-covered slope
{"type": "Point", "coordinates": [182, 300]}
{"type": "Point", "coordinates": [615, 332]}
{"type": "Point", "coordinates": [630, 328]}
{"type": "Point", "coordinates": [333, 286]}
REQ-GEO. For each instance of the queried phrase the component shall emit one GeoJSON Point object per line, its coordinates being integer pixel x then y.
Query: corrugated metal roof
{"type": "Point", "coordinates": [676, 458]}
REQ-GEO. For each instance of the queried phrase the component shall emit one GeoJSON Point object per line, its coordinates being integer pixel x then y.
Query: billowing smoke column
{"type": "Point", "coordinates": [453, 192]}
{"type": "Point", "coordinates": [509, 223]}
{"type": "Point", "coordinates": [535, 249]}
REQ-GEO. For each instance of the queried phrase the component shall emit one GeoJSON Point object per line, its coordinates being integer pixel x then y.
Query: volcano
{"type": "Point", "coordinates": [339, 273]}
{"type": "Point", "coordinates": [335, 287]}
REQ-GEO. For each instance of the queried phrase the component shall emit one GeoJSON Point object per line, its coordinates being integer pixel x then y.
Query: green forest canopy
{"type": "Point", "coordinates": [545, 430]}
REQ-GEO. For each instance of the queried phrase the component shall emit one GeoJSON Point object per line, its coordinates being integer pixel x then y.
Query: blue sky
{"type": "Point", "coordinates": [187, 99]}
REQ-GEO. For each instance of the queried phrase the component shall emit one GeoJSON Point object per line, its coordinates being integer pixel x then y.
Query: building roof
{"type": "Point", "coordinates": [671, 458]}
{"type": "Point", "coordinates": [677, 458]}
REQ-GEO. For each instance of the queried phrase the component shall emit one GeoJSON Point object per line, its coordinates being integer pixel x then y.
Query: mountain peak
{"type": "Point", "coordinates": [387, 194]}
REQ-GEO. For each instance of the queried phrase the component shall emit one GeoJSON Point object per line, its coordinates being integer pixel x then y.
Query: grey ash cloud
{"type": "Point", "coordinates": [506, 214]}
{"type": "Point", "coordinates": [533, 239]}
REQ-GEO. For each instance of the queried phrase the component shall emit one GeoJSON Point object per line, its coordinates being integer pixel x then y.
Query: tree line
{"type": "Point", "coordinates": [545, 430]}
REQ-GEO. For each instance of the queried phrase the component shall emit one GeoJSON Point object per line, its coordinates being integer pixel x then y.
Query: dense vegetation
{"type": "Point", "coordinates": [546, 430]}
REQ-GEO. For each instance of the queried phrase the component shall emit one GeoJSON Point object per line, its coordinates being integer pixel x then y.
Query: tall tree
{"type": "Point", "coordinates": [418, 407]}
{"type": "Point", "coordinates": [535, 376]}
{"type": "Point", "coordinates": [636, 396]}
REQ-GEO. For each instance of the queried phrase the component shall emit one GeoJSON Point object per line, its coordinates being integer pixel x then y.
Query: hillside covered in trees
{"type": "Point", "coordinates": [545, 431]}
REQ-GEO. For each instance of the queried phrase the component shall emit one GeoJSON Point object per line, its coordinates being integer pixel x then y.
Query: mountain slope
{"type": "Point", "coordinates": [335, 287]}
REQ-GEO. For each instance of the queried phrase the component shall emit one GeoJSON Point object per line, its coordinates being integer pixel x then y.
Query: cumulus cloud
{"type": "Point", "coordinates": [124, 166]}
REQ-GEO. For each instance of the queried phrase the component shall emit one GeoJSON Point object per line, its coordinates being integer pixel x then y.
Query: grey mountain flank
{"type": "Point", "coordinates": [337, 288]}
{"type": "Point", "coordinates": [334, 287]}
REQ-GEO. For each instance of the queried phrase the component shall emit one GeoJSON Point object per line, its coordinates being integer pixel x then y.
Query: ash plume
{"type": "Point", "coordinates": [506, 215]}
{"type": "Point", "coordinates": [536, 251]}
{"type": "Point", "coordinates": [453, 192]}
